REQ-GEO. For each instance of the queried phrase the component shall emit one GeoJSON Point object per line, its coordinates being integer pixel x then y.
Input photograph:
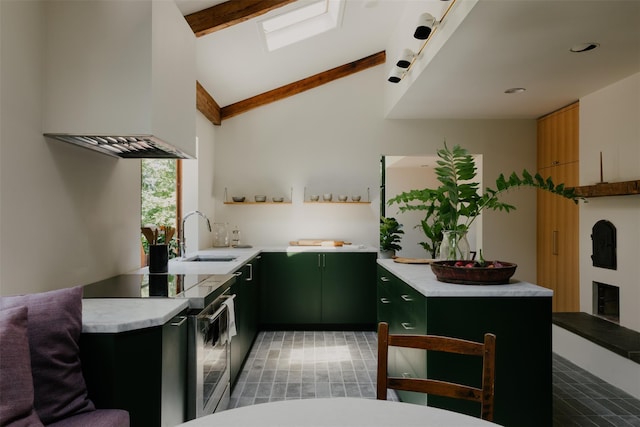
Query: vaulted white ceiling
{"type": "Point", "coordinates": [481, 48]}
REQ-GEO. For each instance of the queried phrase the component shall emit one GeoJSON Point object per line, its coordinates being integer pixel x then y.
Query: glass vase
{"type": "Point", "coordinates": [454, 246]}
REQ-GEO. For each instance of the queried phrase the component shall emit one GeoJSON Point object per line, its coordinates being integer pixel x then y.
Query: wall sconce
{"type": "Point", "coordinates": [406, 58]}
{"type": "Point", "coordinates": [396, 75]}
{"type": "Point", "coordinates": [426, 22]}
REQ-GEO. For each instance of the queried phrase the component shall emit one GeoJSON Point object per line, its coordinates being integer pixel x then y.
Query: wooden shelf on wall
{"type": "Point", "coordinates": [609, 189]}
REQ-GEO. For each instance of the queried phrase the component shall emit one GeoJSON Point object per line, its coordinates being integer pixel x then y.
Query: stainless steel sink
{"type": "Point", "coordinates": [210, 258]}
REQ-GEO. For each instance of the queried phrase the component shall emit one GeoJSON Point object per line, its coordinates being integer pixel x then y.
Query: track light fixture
{"type": "Point", "coordinates": [426, 22]}
{"type": "Point", "coordinates": [396, 75]}
{"type": "Point", "coordinates": [406, 58]}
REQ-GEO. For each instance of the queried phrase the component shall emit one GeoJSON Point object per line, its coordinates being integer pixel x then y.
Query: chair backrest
{"type": "Point", "coordinates": [486, 350]}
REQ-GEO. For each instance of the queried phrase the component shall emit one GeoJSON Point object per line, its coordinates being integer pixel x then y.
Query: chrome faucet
{"type": "Point", "coordinates": [182, 240]}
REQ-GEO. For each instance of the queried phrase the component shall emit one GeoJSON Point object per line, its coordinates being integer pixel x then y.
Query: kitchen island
{"type": "Point", "coordinates": [413, 301]}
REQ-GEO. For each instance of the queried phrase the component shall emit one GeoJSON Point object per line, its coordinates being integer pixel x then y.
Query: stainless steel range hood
{"type": "Point", "coordinates": [128, 147]}
{"type": "Point", "coordinates": [120, 77]}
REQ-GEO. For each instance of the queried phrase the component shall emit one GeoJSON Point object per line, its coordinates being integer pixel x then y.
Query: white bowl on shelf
{"type": "Point", "coordinates": [238, 199]}
{"type": "Point", "coordinates": [327, 197]}
{"type": "Point", "coordinates": [356, 198]}
{"type": "Point", "coordinates": [260, 198]}
{"type": "Point", "coordinates": [277, 199]}
{"type": "Point", "coordinates": [314, 198]}
{"type": "Point", "coordinates": [342, 198]}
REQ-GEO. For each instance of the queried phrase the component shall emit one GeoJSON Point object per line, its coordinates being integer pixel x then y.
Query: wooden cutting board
{"type": "Point", "coordinates": [402, 260]}
{"type": "Point", "coordinates": [318, 242]}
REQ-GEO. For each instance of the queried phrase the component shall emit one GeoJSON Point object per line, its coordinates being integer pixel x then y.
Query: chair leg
{"type": "Point", "coordinates": [383, 355]}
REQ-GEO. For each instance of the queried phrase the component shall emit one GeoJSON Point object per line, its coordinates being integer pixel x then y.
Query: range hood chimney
{"type": "Point", "coordinates": [120, 77]}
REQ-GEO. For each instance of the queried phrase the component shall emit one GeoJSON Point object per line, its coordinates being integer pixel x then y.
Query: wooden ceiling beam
{"type": "Point", "coordinates": [230, 13]}
{"type": "Point", "coordinates": [207, 105]}
{"type": "Point", "coordinates": [303, 85]}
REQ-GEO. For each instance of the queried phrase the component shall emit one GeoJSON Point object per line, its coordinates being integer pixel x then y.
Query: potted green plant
{"type": "Point", "coordinates": [390, 231]}
{"type": "Point", "coordinates": [453, 206]}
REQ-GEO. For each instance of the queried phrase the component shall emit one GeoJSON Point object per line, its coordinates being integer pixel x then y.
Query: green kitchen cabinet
{"type": "Point", "coordinates": [142, 371]}
{"type": "Point", "coordinates": [404, 309]}
{"type": "Point", "coordinates": [292, 289]}
{"type": "Point", "coordinates": [348, 293]}
{"type": "Point", "coordinates": [318, 289]}
{"type": "Point", "coordinates": [246, 307]}
{"type": "Point", "coordinates": [522, 325]}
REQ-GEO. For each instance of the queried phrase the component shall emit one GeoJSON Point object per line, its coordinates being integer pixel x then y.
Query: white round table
{"type": "Point", "coordinates": [337, 412]}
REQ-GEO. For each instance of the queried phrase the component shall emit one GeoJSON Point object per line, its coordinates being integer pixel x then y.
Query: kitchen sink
{"type": "Point", "coordinates": [210, 258]}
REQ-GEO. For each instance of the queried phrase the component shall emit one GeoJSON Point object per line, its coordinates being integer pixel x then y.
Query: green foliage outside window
{"type": "Point", "coordinates": [158, 197]}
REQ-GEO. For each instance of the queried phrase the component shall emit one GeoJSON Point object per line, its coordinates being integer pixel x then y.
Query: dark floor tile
{"type": "Point", "coordinates": [285, 365]}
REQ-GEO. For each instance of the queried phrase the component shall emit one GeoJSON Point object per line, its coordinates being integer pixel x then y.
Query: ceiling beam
{"type": "Point", "coordinates": [230, 13]}
{"type": "Point", "coordinates": [207, 105]}
{"type": "Point", "coordinates": [303, 85]}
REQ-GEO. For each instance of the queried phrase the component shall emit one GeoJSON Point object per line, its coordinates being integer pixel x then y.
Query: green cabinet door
{"type": "Point", "coordinates": [348, 288]}
{"type": "Point", "coordinates": [142, 371]}
{"type": "Point", "coordinates": [292, 289]}
{"type": "Point", "coordinates": [246, 290]}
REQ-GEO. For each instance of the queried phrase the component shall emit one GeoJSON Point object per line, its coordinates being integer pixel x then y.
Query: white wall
{"type": "Point", "coordinates": [68, 216]}
{"type": "Point", "coordinates": [609, 123]}
{"type": "Point", "coordinates": [330, 139]}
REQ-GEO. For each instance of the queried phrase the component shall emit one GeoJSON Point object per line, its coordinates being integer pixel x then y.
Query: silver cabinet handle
{"type": "Point", "coordinates": [238, 273]}
{"type": "Point", "coordinates": [179, 322]}
{"type": "Point", "coordinates": [407, 326]}
{"type": "Point", "coordinates": [250, 278]}
{"type": "Point", "coordinates": [323, 263]}
{"type": "Point", "coordinates": [385, 300]}
{"type": "Point", "coordinates": [406, 298]}
{"type": "Point", "coordinates": [384, 279]}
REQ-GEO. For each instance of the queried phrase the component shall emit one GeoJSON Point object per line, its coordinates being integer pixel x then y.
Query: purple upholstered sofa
{"type": "Point", "coordinates": [41, 381]}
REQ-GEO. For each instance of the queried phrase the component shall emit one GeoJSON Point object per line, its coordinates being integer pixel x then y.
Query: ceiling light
{"type": "Point", "coordinates": [426, 22]}
{"type": "Point", "coordinates": [584, 47]}
{"type": "Point", "coordinates": [406, 58]}
{"type": "Point", "coordinates": [515, 90]}
{"type": "Point", "coordinates": [396, 75]}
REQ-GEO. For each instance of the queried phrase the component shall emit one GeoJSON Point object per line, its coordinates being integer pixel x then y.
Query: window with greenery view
{"type": "Point", "coordinates": [158, 197]}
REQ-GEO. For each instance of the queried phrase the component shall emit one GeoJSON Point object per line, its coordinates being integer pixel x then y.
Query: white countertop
{"type": "Point", "coordinates": [243, 255]}
{"type": "Point", "coordinates": [337, 412]}
{"type": "Point", "coordinates": [421, 278]}
{"type": "Point", "coordinates": [112, 315]}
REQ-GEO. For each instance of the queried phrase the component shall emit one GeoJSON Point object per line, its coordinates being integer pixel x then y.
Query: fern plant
{"type": "Point", "coordinates": [456, 203]}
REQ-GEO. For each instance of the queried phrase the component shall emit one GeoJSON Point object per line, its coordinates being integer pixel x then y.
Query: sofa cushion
{"type": "Point", "coordinates": [97, 418]}
{"type": "Point", "coordinates": [16, 384]}
{"type": "Point", "coordinates": [54, 326]}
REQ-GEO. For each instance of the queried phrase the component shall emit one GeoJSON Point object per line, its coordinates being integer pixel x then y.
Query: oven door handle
{"type": "Point", "coordinates": [218, 312]}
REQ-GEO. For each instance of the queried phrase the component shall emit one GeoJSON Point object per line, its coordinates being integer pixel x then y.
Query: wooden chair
{"type": "Point", "coordinates": [485, 350]}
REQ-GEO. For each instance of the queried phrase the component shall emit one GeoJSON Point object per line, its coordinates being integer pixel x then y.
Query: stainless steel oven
{"type": "Point", "coordinates": [209, 358]}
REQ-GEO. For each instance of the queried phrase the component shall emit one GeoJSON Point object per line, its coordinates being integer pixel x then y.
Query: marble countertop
{"type": "Point", "coordinates": [421, 278]}
{"type": "Point", "coordinates": [176, 266]}
{"type": "Point", "coordinates": [112, 315]}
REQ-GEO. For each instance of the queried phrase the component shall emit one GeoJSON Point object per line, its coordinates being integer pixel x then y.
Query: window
{"type": "Point", "coordinates": [159, 199]}
{"type": "Point", "coordinates": [301, 23]}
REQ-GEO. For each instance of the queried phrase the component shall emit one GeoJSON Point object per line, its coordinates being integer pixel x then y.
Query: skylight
{"type": "Point", "coordinates": [298, 24]}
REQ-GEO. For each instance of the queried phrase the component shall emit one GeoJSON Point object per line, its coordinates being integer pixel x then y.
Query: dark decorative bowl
{"type": "Point", "coordinates": [446, 271]}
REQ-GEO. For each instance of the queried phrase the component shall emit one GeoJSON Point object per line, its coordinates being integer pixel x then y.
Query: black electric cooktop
{"type": "Point", "coordinates": [143, 285]}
